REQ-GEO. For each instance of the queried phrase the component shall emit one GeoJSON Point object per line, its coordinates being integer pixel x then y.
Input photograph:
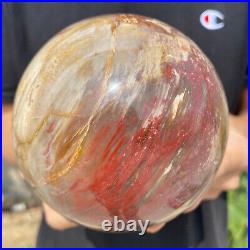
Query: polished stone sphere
{"type": "Point", "coordinates": [120, 115]}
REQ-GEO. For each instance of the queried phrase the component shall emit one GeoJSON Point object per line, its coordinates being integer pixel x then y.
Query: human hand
{"type": "Point", "coordinates": [55, 220]}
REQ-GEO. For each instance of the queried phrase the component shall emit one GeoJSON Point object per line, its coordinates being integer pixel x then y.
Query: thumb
{"type": "Point", "coordinates": [155, 228]}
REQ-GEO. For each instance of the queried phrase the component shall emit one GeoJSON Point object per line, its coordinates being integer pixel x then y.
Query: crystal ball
{"type": "Point", "coordinates": [120, 115]}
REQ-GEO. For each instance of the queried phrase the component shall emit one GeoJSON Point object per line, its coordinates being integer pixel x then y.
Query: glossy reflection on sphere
{"type": "Point", "coordinates": [120, 115]}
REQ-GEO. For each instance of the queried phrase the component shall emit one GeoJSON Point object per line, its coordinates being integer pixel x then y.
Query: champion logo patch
{"type": "Point", "coordinates": [212, 19]}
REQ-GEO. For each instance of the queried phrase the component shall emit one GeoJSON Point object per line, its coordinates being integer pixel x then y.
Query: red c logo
{"type": "Point", "coordinates": [212, 19]}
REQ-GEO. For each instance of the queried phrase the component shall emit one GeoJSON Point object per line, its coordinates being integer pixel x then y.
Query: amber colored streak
{"type": "Point", "coordinates": [69, 143]}
{"type": "Point", "coordinates": [41, 125]}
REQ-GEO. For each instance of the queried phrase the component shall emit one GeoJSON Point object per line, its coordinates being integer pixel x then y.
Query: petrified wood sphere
{"type": "Point", "coordinates": [120, 115]}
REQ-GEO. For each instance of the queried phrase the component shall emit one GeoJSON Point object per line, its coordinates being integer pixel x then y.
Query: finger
{"type": "Point", "coordinates": [232, 184]}
{"type": "Point", "coordinates": [193, 207]}
{"type": "Point", "coordinates": [212, 196]}
{"type": "Point", "coordinates": [55, 220]}
{"type": "Point", "coordinates": [155, 228]}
